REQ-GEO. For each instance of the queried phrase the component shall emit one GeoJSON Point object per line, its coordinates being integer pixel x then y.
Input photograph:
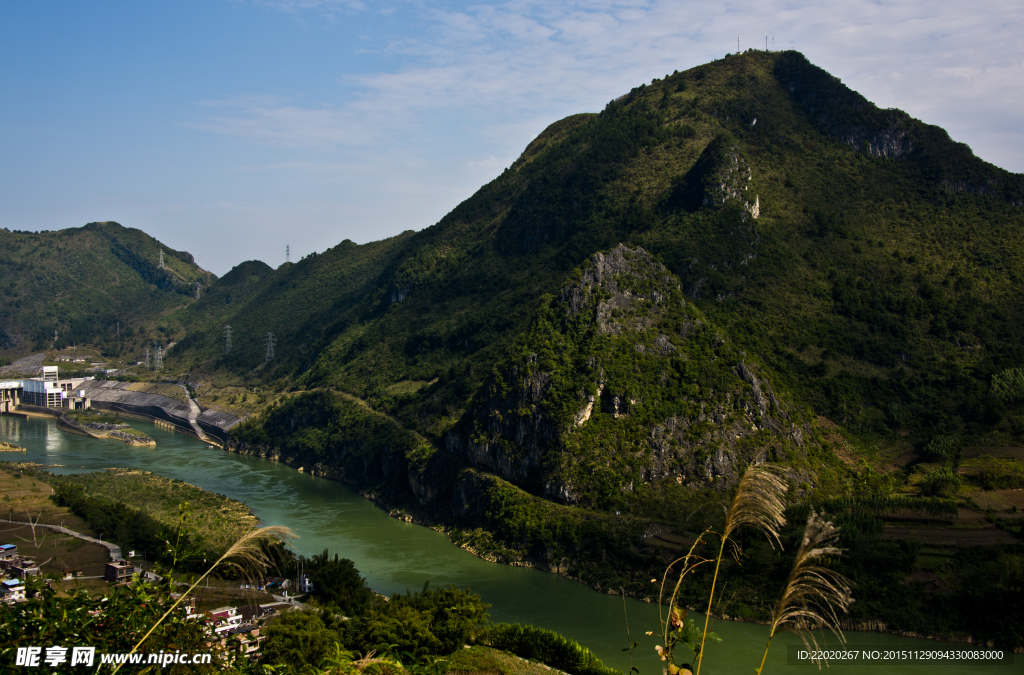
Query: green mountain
{"type": "Point", "coordinates": [861, 258]}
{"type": "Point", "coordinates": [91, 285]}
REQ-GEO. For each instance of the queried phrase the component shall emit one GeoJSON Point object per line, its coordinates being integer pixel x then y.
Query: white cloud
{"type": "Point", "coordinates": [271, 121]}
{"type": "Point", "coordinates": [527, 59]}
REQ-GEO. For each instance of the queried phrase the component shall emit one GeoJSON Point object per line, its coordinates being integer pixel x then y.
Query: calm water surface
{"type": "Point", "coordinates": [395, 556]}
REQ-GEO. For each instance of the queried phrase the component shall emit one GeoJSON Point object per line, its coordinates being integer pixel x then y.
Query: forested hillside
{"type": "Point", "coordinates": [93, 285]}
{"type": "Point", "coordinates": [863, 258]}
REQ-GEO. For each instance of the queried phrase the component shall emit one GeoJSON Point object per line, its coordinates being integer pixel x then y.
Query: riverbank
{"type": "Point", "coordinates": [7, 447]}
{"type": "Point", "coordinates": [493, 552]}
{"type": "Point", "coordinates": [213, 521]}
{"type": "Point", "coordinates": [394, 555]}
{"type": "Point", "coordinates": [903, 586]}
{"type": "Point", "coordinates": [166, 402]}
{"type": "Point", "coordinates": [103, 426]}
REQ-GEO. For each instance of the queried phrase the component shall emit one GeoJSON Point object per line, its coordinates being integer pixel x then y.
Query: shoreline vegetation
{"type": "Point", "coordinates": [212, 521]}
{"type": "Point", "coordinates": [927, 565]}
{"type": "Point", "coordinates": [411, 631]}
{"type": "Point", "coordinates": [465, 541]}
{"type": "Point", "coordinates": [103, 425]}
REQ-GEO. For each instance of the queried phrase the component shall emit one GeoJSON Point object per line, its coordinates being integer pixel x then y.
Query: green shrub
{"type": "Point", "coordinates": [454, 614]}
{"type": "Point", "coordinates": [941, 483]}
{"type": "Point", "coordinates": [944, 448]}
{"type": "Point", "coordinates": [546, 646]}
{"type": "Point", "coordinates": [338, 584]}
{"type": "Point", "coordinates": [1008, 386]}
{"type": "Point", "coordinates": [299, 638]}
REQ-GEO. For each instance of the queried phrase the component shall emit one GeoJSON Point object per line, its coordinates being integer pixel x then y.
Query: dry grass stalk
{"type": "Point", "coordinates": [759, 502]}
{"type": "Point", "coordinates": [813, 594]}
{"type": "Point", "coordinates": [246, 554]}
{"type": "Point", "coordinates": [690, 563]}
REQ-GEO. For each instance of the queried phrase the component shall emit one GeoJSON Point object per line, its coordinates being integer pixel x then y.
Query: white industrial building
{"type": "Point", "coordinates": [48, 391]}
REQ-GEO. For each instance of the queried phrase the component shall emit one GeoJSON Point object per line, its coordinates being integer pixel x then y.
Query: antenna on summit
{"type": "Point", "coordinates": [766, 41]}
{"type": "Point", "coordinates": [737, 51]}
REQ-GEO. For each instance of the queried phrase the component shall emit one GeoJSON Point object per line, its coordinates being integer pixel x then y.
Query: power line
{"type": "Point", "coordinates": [270, 347]}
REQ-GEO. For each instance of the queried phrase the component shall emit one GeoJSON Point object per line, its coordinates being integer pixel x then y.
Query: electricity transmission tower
{"type": "Point", "coordinates": [270, 347]}
{"type": "Point", "coordinates": [287, 253]}
{"type": "Point", "coordinates": [161, 266]}
{"type": "Point", "coordinates": [227, 339]}
{"type": "Point", "coordinates": [159, 364]}
{"type": "Point", "coordinates": [147, 358]}
{"type": "Point", "coordinates": [197, 290]}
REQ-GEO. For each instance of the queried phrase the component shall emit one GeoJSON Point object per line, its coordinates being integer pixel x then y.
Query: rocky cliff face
{"type": "Point", "coordinates": [727, 174]}
{"type": "Point", "coordinates": [621, 385]}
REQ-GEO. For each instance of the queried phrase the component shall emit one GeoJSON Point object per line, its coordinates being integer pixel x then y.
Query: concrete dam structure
{"type": "Point", "coordinates": [185, 415]}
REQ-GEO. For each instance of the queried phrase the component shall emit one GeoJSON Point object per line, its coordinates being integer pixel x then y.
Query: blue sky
{"type": "Point", "coordinates": [232, 128]}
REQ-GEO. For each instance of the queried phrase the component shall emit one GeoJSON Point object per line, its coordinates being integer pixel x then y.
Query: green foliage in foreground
{"type": "Point", "coordinates": [546, 646]}
{"type": "Point", "coordinates": [412, 627]}
{"type": "Point", "coordinates": [337, 584]}
{"type": "Point", "coordinates": [111, 624]}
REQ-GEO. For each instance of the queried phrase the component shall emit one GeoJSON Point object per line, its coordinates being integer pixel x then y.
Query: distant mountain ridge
{"type": "Point", "coordinates": [89, 284]}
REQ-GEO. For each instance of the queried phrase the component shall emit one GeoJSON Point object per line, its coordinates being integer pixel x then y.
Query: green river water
{"type": "Point", "coordinates": [395, 556]}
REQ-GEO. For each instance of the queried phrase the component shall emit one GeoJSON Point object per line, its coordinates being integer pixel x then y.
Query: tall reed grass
{"type": "Point", "coordinates": [812, 597]}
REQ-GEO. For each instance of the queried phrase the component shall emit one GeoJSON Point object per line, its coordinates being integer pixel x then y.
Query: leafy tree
{"type": "Point", "coordinates": [399, 630]}
{"type": "Point", "coordinates": [454, 615]}
{"type": "Point", "coordinates": [299, 638]}
{"type": "Point", "coordinates": [338, 585]}
{"type": "Point", "coordinates": [1008, 386]}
